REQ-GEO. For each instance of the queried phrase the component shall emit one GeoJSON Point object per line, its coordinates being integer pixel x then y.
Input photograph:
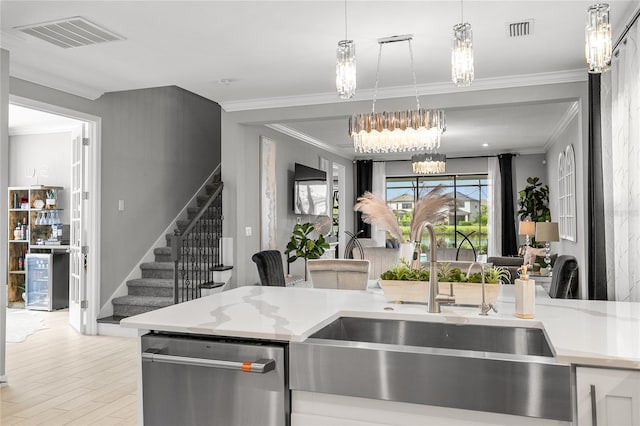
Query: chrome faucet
{"type": "Point", "coordinates": [484, 308]}
{"type": "Point", "coordinates": [434, 298]}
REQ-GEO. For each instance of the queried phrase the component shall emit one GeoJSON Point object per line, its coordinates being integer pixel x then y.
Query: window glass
{"type": "Point", "coordinates": [465, 221]}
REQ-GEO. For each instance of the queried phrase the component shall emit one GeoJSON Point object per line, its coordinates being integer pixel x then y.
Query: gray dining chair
{"type": "Point", "coordinates": [344, 274]}
{"type": "Point", "coordinates": [270, 270]}
{"type": "Point", "coordinates": [565, 271]}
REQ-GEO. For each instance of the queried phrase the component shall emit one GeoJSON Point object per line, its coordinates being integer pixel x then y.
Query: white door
{"type": "Point", "coordinates": [78, 266]}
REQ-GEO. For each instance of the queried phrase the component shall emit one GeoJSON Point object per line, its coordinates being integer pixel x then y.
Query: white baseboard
{"type": "Point", "coordinates": [106, 329]}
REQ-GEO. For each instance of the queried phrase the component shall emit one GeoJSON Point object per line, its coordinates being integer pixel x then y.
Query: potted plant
{"type": "Point", "coordinates": [302, 245]}
{"type": "Point", "coordinates": [401, 283]}
{"type": "Point", "coordinates": [533, 202]}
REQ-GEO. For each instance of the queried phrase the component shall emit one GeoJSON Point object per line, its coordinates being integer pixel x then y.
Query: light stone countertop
{"type": "Point", "coordinates": [595, 333]}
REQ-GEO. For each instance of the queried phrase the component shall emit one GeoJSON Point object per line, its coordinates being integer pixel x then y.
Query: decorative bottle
{"type": "Point", "coordinates": [525, 295]}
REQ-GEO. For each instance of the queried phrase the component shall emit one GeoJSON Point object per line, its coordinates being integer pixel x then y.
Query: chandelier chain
{"type": "Point", "coordinates": [413, 72]}
{"type": "Point", "coordinates": [375, 89]}
{"type": "Point", "coordinates": [461, 11]}
{"type": "Point", "coordinates": [345, 20]}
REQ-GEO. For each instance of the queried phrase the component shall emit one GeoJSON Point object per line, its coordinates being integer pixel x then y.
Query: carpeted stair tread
{"type": "Point", "coordinates": [143, 301]}
{"type": "Point", "coordinates": [113, 319]}
{"type": "Point", "coordinates": [157, 265]}
{"type": "Point", "coordinates": [150, 282]}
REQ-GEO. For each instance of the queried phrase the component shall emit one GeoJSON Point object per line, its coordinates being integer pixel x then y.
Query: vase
{"type": "Point", "coordinates": [406, 251]}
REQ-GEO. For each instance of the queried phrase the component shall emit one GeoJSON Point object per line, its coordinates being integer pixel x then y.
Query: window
{"type": "Point", "coordinates": [466, 222]}
{"type": "Point", "coordinates": [567, 194]}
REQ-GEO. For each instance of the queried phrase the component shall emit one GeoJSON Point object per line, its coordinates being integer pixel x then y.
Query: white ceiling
{"type": "Point", "coordinates": [25, 120]}
{"type": "Point", "coordinates": [284, 53]}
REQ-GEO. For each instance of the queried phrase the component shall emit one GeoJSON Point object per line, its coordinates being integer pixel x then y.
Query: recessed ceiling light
{"type": "Point", "coordinates": [226, 81]}
{"type": "Point", "coordinates": [485, 145]}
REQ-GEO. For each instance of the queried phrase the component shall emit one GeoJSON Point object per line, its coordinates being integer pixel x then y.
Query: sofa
{"type": "Point", "coordinates": [512, 264]}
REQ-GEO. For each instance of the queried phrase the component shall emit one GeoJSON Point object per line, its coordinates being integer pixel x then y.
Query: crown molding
{"type": "Point", "coordinates": [37, 77]}
{"type": "Point", "coordinates": [522, 80]}
{"type": "Point", "coordinates": [286, 130]}
{"type": "Point", "coordinates": [562, 125]}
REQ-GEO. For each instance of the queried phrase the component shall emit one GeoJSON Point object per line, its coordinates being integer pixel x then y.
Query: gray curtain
{"type": "Point", "coordinates": [596, 251]}
{"type": "Point", "coordinates": [364, 182]}
{"type": "Point", "coordinates": [509, 238]}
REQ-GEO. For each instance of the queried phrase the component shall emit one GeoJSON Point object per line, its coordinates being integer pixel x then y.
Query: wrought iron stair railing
{"type": "Point", "coordinates": [196, 251]}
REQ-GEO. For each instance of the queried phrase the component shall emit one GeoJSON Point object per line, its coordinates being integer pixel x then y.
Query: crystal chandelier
{"type": "Point", "coordinates": [462, 53]}
{"type": "Point", "coordinates": [346, 64]}
{"type": "Point", "coordinates": [598, 38]}
{"type": "Point", "coordinates": [401, 131]}
{"type": "Point", "coordinates": [428, 163]}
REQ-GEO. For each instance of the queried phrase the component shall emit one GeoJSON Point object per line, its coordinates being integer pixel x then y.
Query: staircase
{"type": "Point", "coordinates": [155, 288]}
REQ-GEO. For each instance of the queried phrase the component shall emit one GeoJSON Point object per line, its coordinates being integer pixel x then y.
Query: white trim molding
{"type": "Point", "coordinates": [296, 134]}
{"type": "Point", "coordinates": [562, 125]}
{"type": "Point", "coordinates": [522, 80]}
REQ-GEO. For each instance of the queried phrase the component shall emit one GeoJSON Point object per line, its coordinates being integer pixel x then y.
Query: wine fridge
{"type": "Point", "coordinates": [47, 283]}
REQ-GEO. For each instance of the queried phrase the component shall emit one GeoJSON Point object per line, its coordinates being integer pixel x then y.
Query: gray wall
{"type": "Point", "coordinates": [241, 174]}
{"type": "Point", "coordinates": [51, 151]}
{"type": "Point", "coordinates": [570, 136]}
{"type": "Point", "coordinates": [158, 146]}
{"type": "Point", "coordinates": [454, 166]}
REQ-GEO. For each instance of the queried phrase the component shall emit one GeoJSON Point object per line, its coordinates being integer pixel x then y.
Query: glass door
{"type": "Point", "coordinates": [39, 280]}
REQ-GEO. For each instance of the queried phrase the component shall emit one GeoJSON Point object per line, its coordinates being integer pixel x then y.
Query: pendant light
{"type": "Point", "coordinates": [462, 72]}
{"type": "Point", "coordinates": [428, 163]}
{"type": "Point", "coordinates": [598, 38]}
{"type": "Point", "coordinates": [399, 131]}
{"type": "Point", "coordinates": [346, 64]}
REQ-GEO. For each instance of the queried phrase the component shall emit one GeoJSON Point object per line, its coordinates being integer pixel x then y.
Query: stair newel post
{"type": "Point", "coordinates": [176, 250]}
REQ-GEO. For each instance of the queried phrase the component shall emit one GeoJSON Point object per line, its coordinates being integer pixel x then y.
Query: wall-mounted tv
{"type": "Point", "coordinates": [309, 191]}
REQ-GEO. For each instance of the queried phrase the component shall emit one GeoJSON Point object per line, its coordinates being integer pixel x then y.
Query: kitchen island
{"type": "Point", "coordinates": [604, 335]}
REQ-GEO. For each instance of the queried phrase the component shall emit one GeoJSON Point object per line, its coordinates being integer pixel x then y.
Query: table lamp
{"type": "Point", "coordinates": [528, 229]}
{"type": "Point", "coordinates": [547, 232]}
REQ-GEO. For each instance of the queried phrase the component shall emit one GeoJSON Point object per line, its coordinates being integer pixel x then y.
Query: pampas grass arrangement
{"type": "Point", "coordinates": [375, 211]}
{"type": "Point", "coordinates": [431, 207]}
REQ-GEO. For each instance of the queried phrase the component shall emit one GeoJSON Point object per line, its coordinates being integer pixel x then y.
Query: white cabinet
{"type": "Point", "coordinates": [608, 397]}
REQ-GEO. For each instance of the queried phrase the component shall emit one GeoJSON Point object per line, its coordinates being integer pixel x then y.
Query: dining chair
{"type": "Point", "coordinates": [270, 270]}
{"type": "Point", "coordinates": [565, 269]}
{"type": "Point", "coordinates": [344, 274]}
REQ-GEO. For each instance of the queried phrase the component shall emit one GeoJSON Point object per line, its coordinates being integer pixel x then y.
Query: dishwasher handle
{"type": "Point", "coordinates": [260, 366]}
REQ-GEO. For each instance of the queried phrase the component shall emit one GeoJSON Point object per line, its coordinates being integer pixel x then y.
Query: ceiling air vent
{"type": "Point", "coordinates": [520, 29]}
{"type": "Point", "coordinates": [70, 32]}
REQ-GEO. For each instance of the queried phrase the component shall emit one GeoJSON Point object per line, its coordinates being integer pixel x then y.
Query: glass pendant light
{"type": "Point", "coordinates": [462, 53]}
{"type": "Point", "coordinates": [428, 163]}
{"type": "Point", "coordinates": [400, 131]}
{"type": "Point", "coordinates": [346, 64]}
{"type": "Point", "coordinates": [598, 38]}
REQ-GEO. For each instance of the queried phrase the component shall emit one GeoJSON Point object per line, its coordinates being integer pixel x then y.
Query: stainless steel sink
{"type": "Point", "coordinates": [483, 338]}
{"type": "Point", "coordinates": [510, 370]}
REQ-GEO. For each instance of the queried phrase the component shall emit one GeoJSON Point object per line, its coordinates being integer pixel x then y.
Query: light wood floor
{"type": "Point", "coordinates": [59, 377]}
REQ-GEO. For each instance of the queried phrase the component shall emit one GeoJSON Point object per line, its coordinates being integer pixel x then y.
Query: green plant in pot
{"type": "Point", "coordinates": [302, 245]}
{"type": "Point", "coordinates": [403, 272]}
{"type": "Point", "coordinates": [533, 202]}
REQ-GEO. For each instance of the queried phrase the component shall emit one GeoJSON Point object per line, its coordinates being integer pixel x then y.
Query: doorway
{"type": "Point", "coordinates": [75, 167]}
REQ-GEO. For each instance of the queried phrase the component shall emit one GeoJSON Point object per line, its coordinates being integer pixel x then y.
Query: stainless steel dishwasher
{"type": "Point", "coordinates": [192, 380]}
